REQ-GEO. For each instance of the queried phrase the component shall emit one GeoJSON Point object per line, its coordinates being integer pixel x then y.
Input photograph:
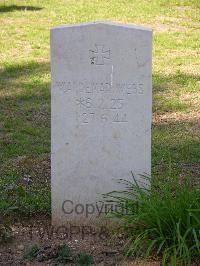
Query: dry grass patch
{"type": "Point", "coordinates": [173, 53]}
{"type": "Point", "coordinates": [191, 69]}
{"type": "Point", "coordinates": [159, 118]}
{"type": "Point", "coordinates": [193, 98]}
{"type": "Point", "coordinates": [169, 24]}
{"type": "Point", "coordinates": [162, 27]}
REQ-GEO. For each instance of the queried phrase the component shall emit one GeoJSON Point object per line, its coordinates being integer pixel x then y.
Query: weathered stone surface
{"type": "Point", "coordinates": [101, 112]}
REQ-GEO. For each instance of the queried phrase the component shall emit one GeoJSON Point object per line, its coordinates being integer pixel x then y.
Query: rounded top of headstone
{"type": "Point", "coordinates": [106, 23]}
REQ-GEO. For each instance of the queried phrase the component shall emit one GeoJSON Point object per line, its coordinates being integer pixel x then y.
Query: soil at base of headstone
{"type": "Point", "coordinates": [105, 248]}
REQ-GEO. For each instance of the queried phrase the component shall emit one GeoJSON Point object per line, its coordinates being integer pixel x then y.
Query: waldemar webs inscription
{"type": "Point", "coordinates": [108, 107]}
{"type": "Point", "coordinates": [92, 87]}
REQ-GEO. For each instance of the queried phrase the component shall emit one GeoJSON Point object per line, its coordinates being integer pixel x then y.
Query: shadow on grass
{"type": "Point", "coordinates": [12, 8]}
{"type": "Point", "coordinates": [176, 142]}
{"type": "Point", "coordinates": [168, 90]}
{"type": "Point", "coordinates": [16, 71]}
{"type": "Point", "coordinates": [25, 105]}
{"type": "Point", "coordinates": [163, 83]}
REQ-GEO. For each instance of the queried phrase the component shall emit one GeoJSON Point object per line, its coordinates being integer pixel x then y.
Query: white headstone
{"type": "Point", "coordinates": [101, 112]}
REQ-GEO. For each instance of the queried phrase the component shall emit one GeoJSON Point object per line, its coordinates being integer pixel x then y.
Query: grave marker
{"type": "Point", "coordinates": [101, 112]}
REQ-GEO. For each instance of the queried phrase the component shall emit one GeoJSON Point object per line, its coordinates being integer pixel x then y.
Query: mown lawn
{"type": "Point", "coordinates": [25, 88]}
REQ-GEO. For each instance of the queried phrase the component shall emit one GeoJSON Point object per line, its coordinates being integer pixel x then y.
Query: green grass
{"type": "Point", "coordinates": [83, 259]}
{"type": "Point", "coordinates": [25, 86]}
{"type": "Point", "coordinates": [64, 254]}
{"type": "Point", "coordinates": [60, 255]}
{"type": "Point", "coordinates": [163, 221]}
{"type": "Point", "coordinates": [31, 253]}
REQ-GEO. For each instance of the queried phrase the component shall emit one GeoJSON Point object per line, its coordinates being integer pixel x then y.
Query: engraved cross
{"type": "Point", "coordinates": [98, 55]}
